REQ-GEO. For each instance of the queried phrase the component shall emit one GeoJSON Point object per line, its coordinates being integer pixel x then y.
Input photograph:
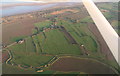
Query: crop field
{"type": "Point", "coordinates": [17, 29]}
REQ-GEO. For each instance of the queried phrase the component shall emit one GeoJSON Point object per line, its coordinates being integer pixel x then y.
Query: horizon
{"type": "Point", "coordinates": [47, 1]}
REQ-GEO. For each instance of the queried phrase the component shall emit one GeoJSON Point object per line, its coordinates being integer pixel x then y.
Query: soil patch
{"type": "Point", "coordinates": [81, 65]}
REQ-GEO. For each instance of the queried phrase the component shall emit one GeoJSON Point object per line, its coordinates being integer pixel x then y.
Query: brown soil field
{"type": "Point", "coordinates": [18, 28]}
{"type": "Point", "coordinates": [81, 65]}
{"type": "Point", "coordinates": [5, 56]}
{"type": "Point", "coordinates": [62, 11]}
{"type": "Point", "coordinates": [104, 49]}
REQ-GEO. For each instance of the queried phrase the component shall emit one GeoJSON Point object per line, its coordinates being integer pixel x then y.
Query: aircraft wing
{"type": "Point", "coordinates": [108, 33]}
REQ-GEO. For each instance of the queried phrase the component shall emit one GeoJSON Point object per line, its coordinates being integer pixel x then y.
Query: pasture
{"type": "Point", "coordinates": [62, 34]}
{"type": "Point", "coordinates": [43, 24]}
{"type": "Point", "coordinates": [81, 34]}
{"type": "Point", "coordinates": [27, 54]}
{"type": "Point", "coordinates": [56, 43]}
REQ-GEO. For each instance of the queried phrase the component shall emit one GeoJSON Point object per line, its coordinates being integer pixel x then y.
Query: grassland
{"type": "Point", "coordinates": [39, 49]}
{"type": "Point", "coordinates": [37, 44]}
{"type": "Point", "coordinates": [8, 69]}
{"type": "Point", "coordinates": [44, 24]}
{"type": "Point", "coordinates": [16, 39]}
{"type": "Point", "coordinates": [29, 45]}
{"type": "Point", "coordinates": [43, 45]}
{"type": "Point", "coordinates": [81, 34]}
{"type": "Point", "coordinates": [111, 13]}
{"type": "Point", "coordinates": [51, 38]}
{"type": "Point", "coordinates": [86, 19]}
{"type": "Point", "coordinates": [55, 43]}
{"type": "Point", "coordinates": [25, 54]}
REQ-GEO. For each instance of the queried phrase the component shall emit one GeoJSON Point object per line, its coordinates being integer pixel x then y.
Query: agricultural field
{"type": "Point", "coordinates": [81, 34]}
{"type": "Point", "coordinates": [111, 11]}
{"type": "Point", "coordinates": [55, 43]}
{"type": "Point", "coordinates": [68, 63]}
{"type": "Point", "coordinates": [59, 41]}
{"type": "Point", "coordinates": [25, 54]}
{"type": "Point", "coordinates": [44, 24]}
{"type": "Point", "coordinates": [12, 70]}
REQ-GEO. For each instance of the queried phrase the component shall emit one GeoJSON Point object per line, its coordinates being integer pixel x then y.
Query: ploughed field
{"type": "Point", "coordinates": [89, 66]}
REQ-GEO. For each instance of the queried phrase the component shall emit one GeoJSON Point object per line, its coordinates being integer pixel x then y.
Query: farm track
{"type": "Point", "coordinates": [8, 60]}
{"type": "Point", "coordinates": [11, 44]}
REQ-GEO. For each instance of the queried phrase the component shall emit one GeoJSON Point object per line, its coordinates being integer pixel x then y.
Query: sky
{"type": "Point", "coordinates": [54, 0]}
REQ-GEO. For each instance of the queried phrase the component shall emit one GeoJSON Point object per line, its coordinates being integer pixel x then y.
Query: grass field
{"type": "Point", "coordinates": [25, 54]}
{"type": "Point", "coordinates": [33, 60]}
{"type": "Point", "coordinates": [30, 47]}
{"type": "Point", "coordinates": [108, 6]}
{"type": "Point", "coordinates": [39, 49]}
{"type": "Point", "coordinates": [16, 39]}
{"type": "Point", "coordinates": [55, 43]}
{"type": "Point", "coordinates": [87, 19]}
{"type": "Point", "coordinates": [81, 34]}
{"type": "Point", "coordinates": [54, 36]}
{"type": "Point", "coordinates": [44, 24]}
{"type": "Point", "coordinates": [41, 39]}
{"type": "Point", "coordinates": [9, 69]}
{"type": "Point", "coordinates": [37, 44]}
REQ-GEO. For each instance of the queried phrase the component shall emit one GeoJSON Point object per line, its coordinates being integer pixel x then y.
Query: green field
{"type": "Point", "coordinates": [87, 19]}
{"type": "Point", "coordinates": [44, 24]}
{"type": "Point", "coordinates": [30, 45]}
{"type": "Point", "coordinates": [9, 69]}
{"type": "Point", "coordinates": [16, 39]}
{"type": "Point", "coordinates": [111, 14]}
{"type": "Point", "coordinates": [37, 44]}
{"type": "Point", "coordinates": [25, 54]}
{"type": "Point", "coordinates": [81, 34]}
{"type": "Point", "coordinates": [55, 43]}
{"type": "Point", "coordinates": [40, 48]}
{"type": "Point", "coordinates": [56, 36]}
